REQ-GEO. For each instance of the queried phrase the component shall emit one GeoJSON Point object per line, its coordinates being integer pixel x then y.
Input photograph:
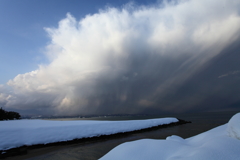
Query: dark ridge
{"type": "Point", "coordinates": [8, 115]}
{"type": "Point", "coordinates": [24, 149]}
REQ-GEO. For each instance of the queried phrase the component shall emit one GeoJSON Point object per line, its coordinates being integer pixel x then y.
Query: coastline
{"type": "Point", "coordinates": [95, 149]}
{"type": "Point", "coordinates": [23, 150]}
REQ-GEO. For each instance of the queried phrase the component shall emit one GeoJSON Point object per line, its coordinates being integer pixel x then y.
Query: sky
{"type": "Point", "coordinates": [119, 57]}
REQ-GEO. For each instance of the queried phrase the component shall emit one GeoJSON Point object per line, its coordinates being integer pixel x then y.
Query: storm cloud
{"type": "Point", "coordinates": [174, 56]}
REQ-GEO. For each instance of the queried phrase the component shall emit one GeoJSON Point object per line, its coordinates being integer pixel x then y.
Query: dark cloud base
{"type": "Point", "coordinates": [203, 91]}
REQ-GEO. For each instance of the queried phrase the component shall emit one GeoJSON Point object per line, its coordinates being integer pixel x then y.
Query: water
{"type": "Point", "coordinates": [92, 150]}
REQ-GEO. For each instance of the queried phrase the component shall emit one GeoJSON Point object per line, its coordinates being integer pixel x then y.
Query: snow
{"type": "Point", "coordinates": [219, 143]}
{"type": "Point", "coordinates": [234, 126]}
{"type": "Point", "coordinates": [17, 133]}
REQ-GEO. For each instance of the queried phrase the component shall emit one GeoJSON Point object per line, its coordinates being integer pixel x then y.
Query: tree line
{"type": "Point", "coordinates": [8, 115]}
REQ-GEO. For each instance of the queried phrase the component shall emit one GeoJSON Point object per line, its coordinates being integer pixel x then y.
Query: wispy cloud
{"type": "Point", "coordinates": [229, 73]}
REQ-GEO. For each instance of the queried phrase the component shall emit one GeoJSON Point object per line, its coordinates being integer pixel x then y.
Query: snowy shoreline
{"type": "Point", "coordinates": [222, 142]}
{"type": "Point", "coordinates": [14, 134]}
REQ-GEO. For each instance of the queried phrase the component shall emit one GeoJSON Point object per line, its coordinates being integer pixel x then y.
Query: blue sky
{"type": "Point", "coordinates": [23, 37]}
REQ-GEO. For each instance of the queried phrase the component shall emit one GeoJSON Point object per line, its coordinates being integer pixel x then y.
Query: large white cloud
{"type": "Point", "coordinates": [115, 44]}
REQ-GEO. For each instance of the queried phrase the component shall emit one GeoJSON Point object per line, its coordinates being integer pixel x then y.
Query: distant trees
{"type": "Point", "coordinates": [5, 115]}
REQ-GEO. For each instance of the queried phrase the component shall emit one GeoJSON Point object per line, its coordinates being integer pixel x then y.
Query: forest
{"type": "Point", "coordinates": [8, 115]}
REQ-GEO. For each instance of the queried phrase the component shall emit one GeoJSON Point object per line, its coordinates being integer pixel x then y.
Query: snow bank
{"type": "Point", "coordinates": [234, 126]}
{"type": "Point", "coordinates": [29, 132]}
{"type": "Point", "coordinates": [215, 144]}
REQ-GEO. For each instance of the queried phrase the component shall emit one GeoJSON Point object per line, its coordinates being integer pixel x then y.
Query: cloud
{"type": "Point", "coordinates": [229, 73]}
{"type": "Point", "coordinates": [127, 60]}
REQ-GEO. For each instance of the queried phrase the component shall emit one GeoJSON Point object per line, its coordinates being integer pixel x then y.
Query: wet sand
{"type": "Point", "coordinates": [94, 149]}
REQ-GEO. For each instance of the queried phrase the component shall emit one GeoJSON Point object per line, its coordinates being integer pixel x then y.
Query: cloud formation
{"type": "Point", "coordinates": [134, 59]}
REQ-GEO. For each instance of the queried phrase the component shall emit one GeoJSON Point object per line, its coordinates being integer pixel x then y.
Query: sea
{"type": "Point", "coordinates": [93, 150]}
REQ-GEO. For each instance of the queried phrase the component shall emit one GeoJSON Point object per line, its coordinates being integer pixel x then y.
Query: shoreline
{"type": "Point", "coordinates": [25, 150]}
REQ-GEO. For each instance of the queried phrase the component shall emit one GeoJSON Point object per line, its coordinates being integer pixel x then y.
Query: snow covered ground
{"type": "Point", "coordinates": [17, 133]}
{"type": "Point", "coordinates": [221, 143]}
